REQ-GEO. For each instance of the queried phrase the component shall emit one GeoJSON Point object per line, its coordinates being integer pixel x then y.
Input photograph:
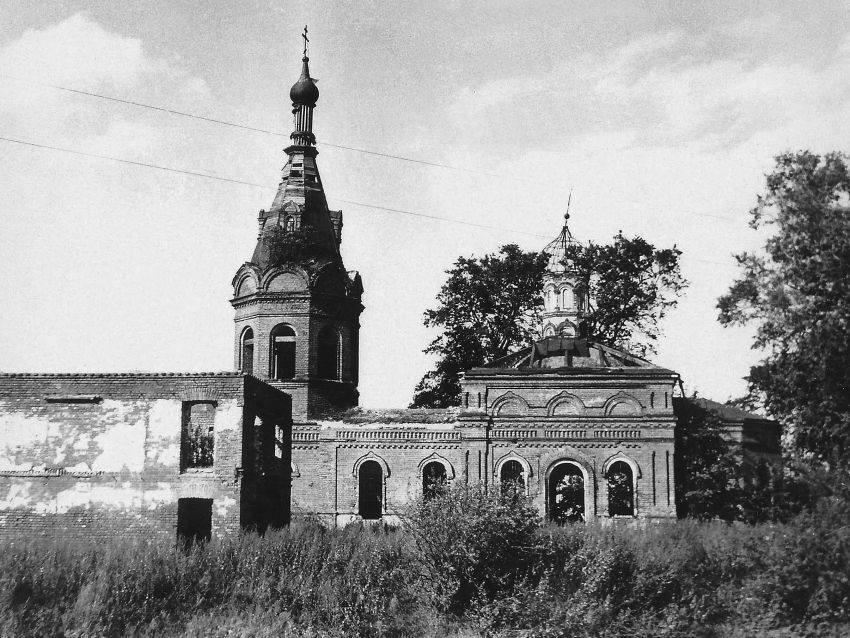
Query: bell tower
{"type": "Point", "coordinates": [297, 310]}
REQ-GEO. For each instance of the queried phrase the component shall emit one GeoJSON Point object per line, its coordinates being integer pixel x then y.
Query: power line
{"type": "Point", "coordinates": [131, 162]}
{"type": "Point", "coordinates": [246, 183]}
{"type": "Point", "coordinates": [245, 127]}
{"type": "Point", "coordinates": [266, 187]}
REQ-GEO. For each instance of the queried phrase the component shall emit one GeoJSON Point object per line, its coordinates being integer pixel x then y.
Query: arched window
{"type": "Point", "coordinates": [512, 475]}
{"type": "Point", "coordinates": [283, 352]}
{"type": "Point", "coordinates": [566, 493]}
{"type": "Point", "coordinates": [433, 479]}
{"type": "Point", "coordinates": [247, 355]}
{"type": "Point", "coordinates": [568, 297]}
{"type": "Point", "coordinates": [371, 484]}
{"type": "Point", "coordinates": [328, 354]}
{"type": "Point", "coordinates": [289, 224]}
{"type": "Point", "coordinates": [621, 490]}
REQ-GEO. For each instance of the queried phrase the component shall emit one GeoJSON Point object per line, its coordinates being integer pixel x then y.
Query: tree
{"type": "Point", "coordinates": [796, 291]}
{"type": "Point", "coordinates": [487, 308]}
{"type": "Point", "coordinates": [631, 286]}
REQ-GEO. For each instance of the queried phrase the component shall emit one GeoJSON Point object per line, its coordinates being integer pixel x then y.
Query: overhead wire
{"type": "Point", "coordinates": [247, 127]}
{"type": "Point", "coordinates": [254, 184]}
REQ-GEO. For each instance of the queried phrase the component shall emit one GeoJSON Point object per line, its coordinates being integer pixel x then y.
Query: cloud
{"type": "Point", "coordinates": [665, 89]}
{"type": "Point", "coordinates": [79, 53]}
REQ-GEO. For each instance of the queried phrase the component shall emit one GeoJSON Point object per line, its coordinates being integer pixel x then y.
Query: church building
{"type": "Point", "coordinates": [586, 429]}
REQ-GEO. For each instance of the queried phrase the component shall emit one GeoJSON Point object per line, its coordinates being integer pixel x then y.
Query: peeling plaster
{"type": "Point", "coordinates": [122, 445]}
{"type": "Point", "coordinates": [228, 416]}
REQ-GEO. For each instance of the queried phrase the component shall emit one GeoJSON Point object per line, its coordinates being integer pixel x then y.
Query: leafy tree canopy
{"type": "Point", "coordinates": [796, 291]}
{"type": "Point", "coordinates": [631, 287]}
{"type": "Point", "coordinates": [489, 307]}
{"type": "Point", "coordinates": [486, 308]}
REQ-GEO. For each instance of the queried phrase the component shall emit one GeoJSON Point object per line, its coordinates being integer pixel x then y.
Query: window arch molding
{"type": "Point", "coordinates": [587, 474]}
{"type": "Point", "coordinates": [619, 456]}
{"type": "Point", "coordinates": [565, 399]}
{"type": "Point", "coordinates": [506, 400]}
{"type": "Point", "coordinates": [436, 458]}
{"type": "Point", "coordinates": [623, 399]}
{"type": "Point", "coordinates": [507, 458]}
{"type": "Point", "coordinates": [371, 456]}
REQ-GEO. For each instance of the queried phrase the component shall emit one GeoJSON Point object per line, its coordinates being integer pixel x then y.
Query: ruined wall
{"type": "Point", "coordinates": [100, 455]}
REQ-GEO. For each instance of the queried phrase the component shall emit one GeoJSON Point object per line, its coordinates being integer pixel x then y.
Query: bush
{"type": "Point", "coordinates": [472, 546]}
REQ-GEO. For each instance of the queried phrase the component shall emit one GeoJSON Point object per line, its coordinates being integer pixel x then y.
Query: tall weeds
{"type": "Point", "coordinates": [464, 563]}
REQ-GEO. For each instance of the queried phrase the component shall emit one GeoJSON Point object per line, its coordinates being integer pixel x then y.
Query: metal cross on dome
{"type": "Point", "coordinates": [306, 40]}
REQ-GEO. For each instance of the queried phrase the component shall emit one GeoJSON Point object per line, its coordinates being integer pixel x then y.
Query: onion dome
{"type": "Point", "coordinates": [304, 91]}
{"type": "Point", "coordinates": [557, 249]}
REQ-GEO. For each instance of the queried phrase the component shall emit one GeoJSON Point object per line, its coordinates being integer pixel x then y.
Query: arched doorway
{"type": "Point", "coordinates": [512, 475]}
{"type": "Point", "coordinates": [566, 493]}
{"type": "Point", "coordinates": [433, 479]}
{"type": "Point", "coordinates": [371, 491]}
{"type": "Point", "coordinates": [621, 490]}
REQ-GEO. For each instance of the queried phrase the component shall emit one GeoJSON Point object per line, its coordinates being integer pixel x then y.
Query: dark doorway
{"type": "Point", "coordinates": [566, 494]}
{"type": "Point", "coordinates": [621, 491]}
{"type": "Point", "coordinates": [512, 476]}
{"type": "Point", "coordinates": [194, 520]}
{"type": "Point", "coordinates": [433, 479]}
{"type": "Point", "coordinates": [371, 490]}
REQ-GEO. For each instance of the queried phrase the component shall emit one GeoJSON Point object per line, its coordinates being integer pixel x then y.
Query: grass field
{"type": "Point", "coordinates": [499, 572]}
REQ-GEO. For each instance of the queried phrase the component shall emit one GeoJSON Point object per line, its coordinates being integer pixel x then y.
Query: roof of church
{"type": "Point", "coordinates": [728, 412]}
{"type": "Point", "coordinates": [568, 353]}
{"type": "Point", "coordinates": [300, 193]}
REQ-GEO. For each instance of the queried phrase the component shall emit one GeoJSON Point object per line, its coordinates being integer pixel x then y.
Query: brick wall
{"type": "Point", "coordinates": [99, 455]}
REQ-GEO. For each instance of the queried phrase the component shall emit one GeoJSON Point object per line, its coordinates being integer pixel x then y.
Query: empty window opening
{"type": "Point", "coordinates": [433, 479]}
{"type": "Point", "coordinates": [279, 441]}
{"type": "Point", "coordinates": [329, 354]}
{"type": "Point", "coordinates": [283, 352]}
{"type": "Point", "coordinates": [371, 482]}
{"type": "Point", "coordinates": [247, 358]}
{"type": "Point", "coordinates": [566, 494]}
{"type": "Point", "coordinates": [197, 436]}
{"type": "Point", "coordinates": [512, 476]}
{"type": "Point", "coordinates": [194, 520]}
{"type": "Point", "coordinates": [621, 491]}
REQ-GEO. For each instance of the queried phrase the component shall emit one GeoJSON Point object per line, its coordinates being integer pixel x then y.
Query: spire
{"type": "Point", "coordinates": [300, 203]}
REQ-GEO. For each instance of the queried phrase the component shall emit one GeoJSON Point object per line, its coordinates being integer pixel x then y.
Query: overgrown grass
{"type": "Point", "coordinates": [498, 573]}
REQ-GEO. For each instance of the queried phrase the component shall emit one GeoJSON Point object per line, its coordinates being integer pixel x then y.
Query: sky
{"type": "Point", "coordinates": [662, 118]}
